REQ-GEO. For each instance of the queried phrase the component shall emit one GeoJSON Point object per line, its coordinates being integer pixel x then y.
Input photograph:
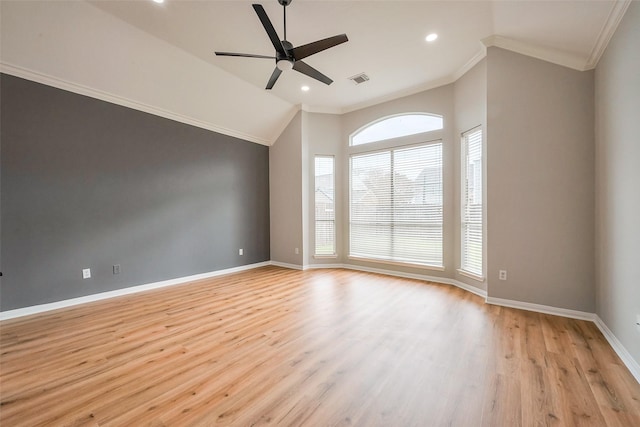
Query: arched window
{"type": "Point", "coordinates": [396, 126]}
{"type": "Point", "coordinates": [396, 191]}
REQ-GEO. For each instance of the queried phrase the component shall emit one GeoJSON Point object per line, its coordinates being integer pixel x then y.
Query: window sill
{"type": "Point", "coordinates": [405, 264]}
{"type": "Point", "coordinates": [325, 256]}
{"type": "Point", "coordinates": [471, 275]}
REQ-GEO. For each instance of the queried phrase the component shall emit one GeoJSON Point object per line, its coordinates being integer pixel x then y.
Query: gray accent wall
{"type": "Point", "coordinates": [540, 181]}
{"type": "Point", "coordinates": [617, 85]}
{"type": "Point", "coordinates": [89, 184]}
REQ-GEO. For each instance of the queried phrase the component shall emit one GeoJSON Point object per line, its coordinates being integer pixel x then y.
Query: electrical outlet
{"type": "Point", "coordinates": [297, 251]}
{"type": "Point", "coordinates": [240, 251]}
{"type": "Point", "coordinates": [116, 269]}
{"type": "Point", "coordinates": [86, 273]}
{"type": "Point", "coordinates": [502, 275]}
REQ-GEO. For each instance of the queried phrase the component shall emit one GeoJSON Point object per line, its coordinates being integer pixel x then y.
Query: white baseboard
{"type": "Point", "coordinates": [617, 346]}
{"type": "Point", "coordinates": [287, 265]}
{"type": "Point", "coordinates": [469, 288]}
{"type": "Point", "coordinates": [477, 291]}
{"type": "Point", "coordinates": [41, 308]}
{"type": "Point", "coordinates": [621, 351]}
{"type": "Point", "coordinates": [615, 343]}
{"type": "Point", "coordinates": [539, 308]}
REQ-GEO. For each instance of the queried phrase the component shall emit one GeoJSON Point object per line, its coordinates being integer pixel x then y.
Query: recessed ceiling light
{"type": "Point", "coordinates": [158, 1]}
{"type": "Point", "coordinates": [431, 37]}
{"type": "Point", "coordinates": [305, 88]}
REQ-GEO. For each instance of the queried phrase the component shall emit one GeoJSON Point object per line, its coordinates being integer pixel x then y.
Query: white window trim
{"type": "Point", "coordinates": [405, 264]}
{"type": "Point", "coordinates": [463, 172]}
{"type": "Point", "coordinates": [335, 216]}
{"type": "Point", "coordinates": [471, 275]}
{"type": "Point", "coordinates": [381, 119]}
{"type": "Point", "coordinates": [408, 141]}
{"type": "Point", "coordinates": [435, 137]}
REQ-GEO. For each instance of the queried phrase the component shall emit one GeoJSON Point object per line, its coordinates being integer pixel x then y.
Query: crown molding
{"type": "Point", "coordinates": [125, 102]}
{"type": "Point", "coordinates": [401, 94]}
{"type": "Point", "coordinates": [320, 109]}
{"type": "Point", "coordinates": [554, 56]}
{"type": "Point", "coordinates": [452, 78]}
{"type": "Point", "coordinates": [618, 10]}
{"type": "Point", "coordinates": [284, 123]}
{"type": "Point", "coordinates": [472, 62]}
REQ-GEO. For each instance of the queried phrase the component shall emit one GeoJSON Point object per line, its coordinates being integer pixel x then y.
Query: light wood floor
{"type": "Point", "coordinates": [317, 348]}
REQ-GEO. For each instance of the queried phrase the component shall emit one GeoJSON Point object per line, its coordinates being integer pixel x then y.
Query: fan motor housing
{"type": "Point", "coordinates": [287, 56]}
{"type": "Point", "coordinates": [287, 45]}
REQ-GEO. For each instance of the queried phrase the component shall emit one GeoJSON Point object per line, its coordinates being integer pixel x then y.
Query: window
{"type": "Point", "coordinates": [397, 126]}
{"type": "Point", "coordinates": [324, 206]}
{"type": "Point", "coordinates": [396, 205]}
{"type": "Point", "coordinates": [471, 215]}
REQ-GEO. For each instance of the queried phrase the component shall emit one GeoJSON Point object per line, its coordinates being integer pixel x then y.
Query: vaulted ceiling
{"type": "Point", "coordinates": [75, 43]}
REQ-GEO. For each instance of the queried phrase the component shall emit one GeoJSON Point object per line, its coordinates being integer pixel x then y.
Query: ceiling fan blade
{"type": "Point", "coordinates": [268, 26]}
{"type": "Point", "coordinates": [303, 51]}
{"type": "Point", "coordinates": [304, 68]}
{"type": "Point", "coordinates": [244, 55]}
{"type": "Point", "coordinates": [274, 76]}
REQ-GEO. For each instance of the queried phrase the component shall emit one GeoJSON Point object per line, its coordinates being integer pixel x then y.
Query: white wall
{"type": "Point", "coordinates": [306, 178]}
{"type": "Point", "coordinates": [325, 138]}
{"type": "Point", "coordinates": [540, 175]}
{"type": "Point", "coordinates": [286, 188]}
{"type": "Point", "coordinates": [436, 101]}
{"type": "Point", "coordinates": [470, 98]}
{"type": "Point", "coordinates": [538, 119]}
{"type": "Point", "coordinates": [617, 85]}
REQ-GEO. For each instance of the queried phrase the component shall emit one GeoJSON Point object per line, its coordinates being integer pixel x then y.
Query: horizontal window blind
{"type": "Point", "coordinates": [396, 205]}
{"type": "Point", "coordinates": [471, 215]}
{"type": "Point", "coordinates": [325, 215]}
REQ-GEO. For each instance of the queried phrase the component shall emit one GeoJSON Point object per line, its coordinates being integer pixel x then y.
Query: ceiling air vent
{"type": "Point", "coordinates": [359, 78]}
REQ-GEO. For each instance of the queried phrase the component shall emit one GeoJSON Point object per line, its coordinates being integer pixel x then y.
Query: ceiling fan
{"type": "Point", "coordinates": [287, 56]}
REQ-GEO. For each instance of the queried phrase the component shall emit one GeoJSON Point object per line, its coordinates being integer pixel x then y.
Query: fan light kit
{"type": "Point", "coordinates": [284, 65]}
{"type": "Point", "coordinates": [288, 57]}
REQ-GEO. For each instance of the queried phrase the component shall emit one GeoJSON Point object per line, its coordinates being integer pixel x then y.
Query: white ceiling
{"type": "Point", "coordinates": [386, 40]}
{"type": "Point", "coordinates": [159, 58]}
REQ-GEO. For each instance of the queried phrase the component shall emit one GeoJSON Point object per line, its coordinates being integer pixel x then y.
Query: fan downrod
{"type": "Point", "coordinates": [287, 56]}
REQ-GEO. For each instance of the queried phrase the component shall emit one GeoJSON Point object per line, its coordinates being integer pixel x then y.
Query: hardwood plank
{"type": "Point", "coordinates": [577, 408]}
{"type": "Point", "coordinates": [502, 405]}
{"type": "Point", "coordinates": [556, 335]}
{"type": "Point", "coordinates": [324, 347]}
